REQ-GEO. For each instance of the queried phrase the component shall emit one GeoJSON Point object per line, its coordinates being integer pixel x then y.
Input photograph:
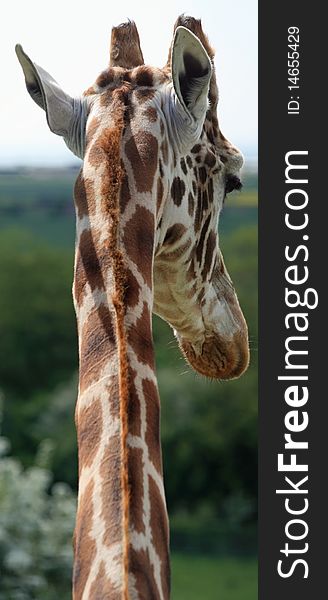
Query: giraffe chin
{"type": "Point", "coordinates": [218, 359]}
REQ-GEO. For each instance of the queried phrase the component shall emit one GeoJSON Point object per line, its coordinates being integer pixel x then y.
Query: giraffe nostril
{"type": "Point", "coordinates": [232, 183]}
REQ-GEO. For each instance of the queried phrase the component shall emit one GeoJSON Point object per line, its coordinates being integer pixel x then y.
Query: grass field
{"type": "Point", "coordinates": [212, 578]}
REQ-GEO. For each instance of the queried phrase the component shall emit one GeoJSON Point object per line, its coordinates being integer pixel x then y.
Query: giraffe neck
{"type": "Point", "coordinates": [121, 535]}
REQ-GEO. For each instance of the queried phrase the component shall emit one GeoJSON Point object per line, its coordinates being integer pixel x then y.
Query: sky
{"type": "Point", "coordinates": [70, 39]}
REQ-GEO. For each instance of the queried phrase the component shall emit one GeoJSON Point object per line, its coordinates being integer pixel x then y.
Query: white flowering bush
{"type": "Point", "coordinates": [36, 529]}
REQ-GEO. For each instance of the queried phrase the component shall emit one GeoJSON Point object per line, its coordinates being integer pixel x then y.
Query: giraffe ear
{"type": "Point", "coordinates": [66, 116]}
{"type": "Point", "coordinates": [191, 72]}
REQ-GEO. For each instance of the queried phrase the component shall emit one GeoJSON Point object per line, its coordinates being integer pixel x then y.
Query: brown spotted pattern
{"type": "Point", "coordinates": [141, 151]}
{"type": "Point", "coordinates": [102, 501]}
{"type": "Point", "coordinates": [178, 189]}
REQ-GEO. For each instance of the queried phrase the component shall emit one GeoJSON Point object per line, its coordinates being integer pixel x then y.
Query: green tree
{"type": "Point", "coordinates": [37, 331]}
{"type": "Point", "coordinates": [37, 324]}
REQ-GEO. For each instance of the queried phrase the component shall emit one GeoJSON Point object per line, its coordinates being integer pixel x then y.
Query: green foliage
{"type": "Point", "coordinates": [37, 324]}
{"type": "Point", "coordinates": [56, 422]}
{"type": "Point", "coordinates": [37, 330]}
{"type": "Point", "coordinates": [35, 532]}
{"type": "Point", "coordinates": [209, 445]}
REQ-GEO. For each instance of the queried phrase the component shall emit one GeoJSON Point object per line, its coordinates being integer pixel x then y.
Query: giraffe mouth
{"type": "Point", "coordinates": [218, 359]}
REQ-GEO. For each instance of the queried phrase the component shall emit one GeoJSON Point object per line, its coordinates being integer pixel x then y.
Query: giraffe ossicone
{"type": "Point", "coordinates": [156, 169]}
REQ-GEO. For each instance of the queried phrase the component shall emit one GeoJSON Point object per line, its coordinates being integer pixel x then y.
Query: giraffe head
{"type": "Point", "coordinates": [174, 156]}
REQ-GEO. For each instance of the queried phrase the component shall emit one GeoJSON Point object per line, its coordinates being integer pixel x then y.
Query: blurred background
{"type": "Point", "coordinates": [209, 429]}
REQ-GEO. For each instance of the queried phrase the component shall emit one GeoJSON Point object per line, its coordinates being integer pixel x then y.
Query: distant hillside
{"type": "Point", "coordinates": [41, 200]}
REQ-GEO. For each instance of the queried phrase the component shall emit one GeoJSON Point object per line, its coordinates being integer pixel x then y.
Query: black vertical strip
{"type": "Point", "coordinates": [279, 133]}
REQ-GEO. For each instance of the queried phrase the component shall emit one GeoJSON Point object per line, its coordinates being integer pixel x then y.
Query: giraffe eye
{"type": "Point", "coordinates": [232, 183]}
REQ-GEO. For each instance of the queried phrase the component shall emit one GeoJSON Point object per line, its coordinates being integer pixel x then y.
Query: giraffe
{"type": "Point", "coordinates": [156, 170]}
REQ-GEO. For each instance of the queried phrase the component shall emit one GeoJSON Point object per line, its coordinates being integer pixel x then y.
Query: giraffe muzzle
{"type": "Point", "coordinates": [219, 358]}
